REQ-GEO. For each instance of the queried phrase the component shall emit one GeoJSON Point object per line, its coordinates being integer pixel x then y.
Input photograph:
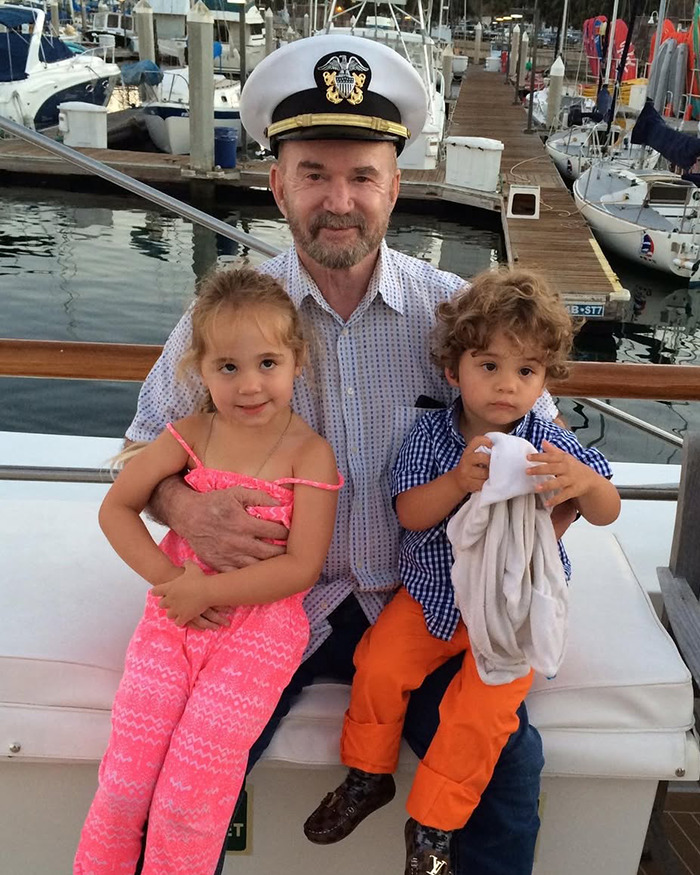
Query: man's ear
{"type": "Point", "coordinates": [451, 378]}
{"type": "Point", "coordinates": [277, 187]}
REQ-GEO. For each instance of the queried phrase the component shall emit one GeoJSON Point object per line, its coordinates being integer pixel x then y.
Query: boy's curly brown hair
{"type": "Point", "coordinates": [520, 303]}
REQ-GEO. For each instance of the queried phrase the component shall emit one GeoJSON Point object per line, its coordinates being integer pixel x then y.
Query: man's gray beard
{"type": "Point", "coordinates": [335, 257]}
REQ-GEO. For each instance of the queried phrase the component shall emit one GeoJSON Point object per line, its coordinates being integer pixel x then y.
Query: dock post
{"type": "Point", "coordinates": [200, 41]}
{"type": "Point", "coordinates": [243, 73]}
{"type": "Point", "coordinates": [513, 52]}
{"type": "Point", "coordinates": [477, 43]}
{"type": "Point", "coordinates": [533, 69]}
{"type": "Point", "coordinates": [143, 25]}
{"type": "Point", "coordinates": [518, 65]}
{"type": "Point", "coordinates": [269, 31]}
{"type": "Point", "coordinates": [524, 52]}
{"type": "Point", "coordinates": [83, 17]}
{"type": "Point", "coordinates": [53, 6]}
{"type": "Point", "coordinates": [556, 85]}
{"type": "Point", "coordinates": [306, 28]}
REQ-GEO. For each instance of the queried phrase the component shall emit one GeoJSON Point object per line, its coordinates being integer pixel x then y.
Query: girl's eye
{"type": "Point", "coordinates": [228, 368]}
{"type": "Point", "coordinates": [526, 371]}
{"type": "Point", "coordinates": [489, 366]}
{"type": "Point", "coordinates": [267, 364]}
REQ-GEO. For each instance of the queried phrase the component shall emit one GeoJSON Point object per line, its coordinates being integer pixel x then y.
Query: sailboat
{"type": "Point", "coordinates": [648, 216]}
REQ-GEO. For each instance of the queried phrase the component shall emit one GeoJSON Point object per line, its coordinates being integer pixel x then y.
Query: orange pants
{"type": "Point", "coordinates": [476, 720]}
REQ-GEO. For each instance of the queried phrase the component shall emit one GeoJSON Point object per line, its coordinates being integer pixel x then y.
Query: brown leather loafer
{"type": "Point", "coordinates": [347, 806]}
{"type": "Point", "coordinates": [422, 857]}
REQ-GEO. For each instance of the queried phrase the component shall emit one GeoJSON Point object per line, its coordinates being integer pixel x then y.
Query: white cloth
{"type": "Point", "coordinates": [507, 575]}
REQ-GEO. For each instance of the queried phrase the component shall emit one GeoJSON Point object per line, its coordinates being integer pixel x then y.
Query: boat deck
{"type": "Point", "coordinates": [681, 823]}
{"type": "Point", "coordinates": [560, 243]}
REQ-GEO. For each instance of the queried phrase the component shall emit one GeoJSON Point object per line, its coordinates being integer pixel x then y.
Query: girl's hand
{"type": "Point", "coordinates": [186, 596]}
{"type": "Point", "coordinates": [473, 468]}
{"type": "Point", "coordinates": [572, 478]}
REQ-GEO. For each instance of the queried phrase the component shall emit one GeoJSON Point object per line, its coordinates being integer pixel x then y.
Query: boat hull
{"type": "Point", "coordinates": [169, 126]}
{"type": "Point", "coordinates": [668, 250]}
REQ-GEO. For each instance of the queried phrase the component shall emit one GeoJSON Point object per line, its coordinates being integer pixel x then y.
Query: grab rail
{"type": "Point", "coordinates": [132, 362]}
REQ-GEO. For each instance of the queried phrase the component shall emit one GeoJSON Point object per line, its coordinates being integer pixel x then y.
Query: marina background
{"type": "Point", "coordinates": [98, 265]}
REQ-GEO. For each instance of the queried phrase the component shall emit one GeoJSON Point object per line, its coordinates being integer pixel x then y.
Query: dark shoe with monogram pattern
{"type": "Point", "coordinates": [341, 811]}
{"type": "Point", "coordinates": [427, 850]}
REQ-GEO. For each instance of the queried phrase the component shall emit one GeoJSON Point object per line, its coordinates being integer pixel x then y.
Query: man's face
{"type": "Point", "coordinates": [337, 196]}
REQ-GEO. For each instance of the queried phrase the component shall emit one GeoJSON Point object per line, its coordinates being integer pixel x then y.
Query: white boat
{"type": "Point", "coordinates": [425, 56]}
{"type": "Point", "coordinates": [167, 113]}
{"type": "Point", "coordinates": [615, 721]}
{"type": "Point", "coordinates": [170, 18]}
{"type": "Point", "coordinates": [647, 216]}
{"type": "Point", "coordinates": [575, 149]}
{"type": "Point", "coordinates": [113, 24]}
{"type": "Point", "coordinates": [38, 72]}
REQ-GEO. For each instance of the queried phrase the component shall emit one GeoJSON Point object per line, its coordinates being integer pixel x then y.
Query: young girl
{"type": "Point", "coordinates": [497, 343]}
{"type": "Point", "coordinates": [192, 701]}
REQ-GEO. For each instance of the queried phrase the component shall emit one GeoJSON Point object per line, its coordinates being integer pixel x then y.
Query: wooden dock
{"type": "Point", "coordinates": [559, 243]}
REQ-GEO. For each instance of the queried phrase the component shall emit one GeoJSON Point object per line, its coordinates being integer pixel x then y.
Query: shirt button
{"type": "Point", "coordinates": [350, 391]}
{"type": "Point", "coordinates": [360, 564]}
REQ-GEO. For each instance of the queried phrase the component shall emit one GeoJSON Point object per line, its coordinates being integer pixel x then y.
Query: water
{"type": "Point", "coordinates": [100, 266]}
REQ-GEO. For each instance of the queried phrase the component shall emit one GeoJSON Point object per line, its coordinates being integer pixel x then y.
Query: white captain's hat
{"type": "Point", "coordinates": [333, 87]}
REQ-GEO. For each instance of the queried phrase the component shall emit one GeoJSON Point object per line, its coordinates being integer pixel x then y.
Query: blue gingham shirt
{"type": "Point", "coordinates": [434, 447]}
{"type": "Point", "coordinates": [359, 392]}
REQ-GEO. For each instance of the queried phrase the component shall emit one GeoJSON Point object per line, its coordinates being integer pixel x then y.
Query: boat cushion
{"type": "Point", "coordinates": [620, 705]}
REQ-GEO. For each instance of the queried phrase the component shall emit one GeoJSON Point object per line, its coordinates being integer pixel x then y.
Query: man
{"type": "Point", "coordinates": [336, 110]}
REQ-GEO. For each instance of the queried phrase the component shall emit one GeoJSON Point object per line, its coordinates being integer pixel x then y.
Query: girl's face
{"type": "Point", "coordinates": [247, 369]}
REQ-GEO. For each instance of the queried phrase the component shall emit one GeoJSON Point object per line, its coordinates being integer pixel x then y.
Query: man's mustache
{"type": "Point", "coordinates": [336, 223]}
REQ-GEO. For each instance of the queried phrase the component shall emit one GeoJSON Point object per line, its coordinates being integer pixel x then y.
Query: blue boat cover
{"type": "Point", "coordinates": [650, 129]}
{"type": "Point", "coordinates": [141, 73]}
{"type": "Point", "coordinates": [16, 16]}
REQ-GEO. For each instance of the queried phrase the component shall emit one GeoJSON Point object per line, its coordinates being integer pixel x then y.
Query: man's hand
{"type": "Point", "coordinates": [216, 525]}
{"type": "Point", "coordinates": [473, 468]}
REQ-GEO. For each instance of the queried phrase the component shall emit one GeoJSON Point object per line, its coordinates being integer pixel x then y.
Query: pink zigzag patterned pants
{"type": "Point", "coordinates": [190, 705]}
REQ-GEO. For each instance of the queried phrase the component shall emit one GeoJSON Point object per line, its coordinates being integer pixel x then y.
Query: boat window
{"type": "Point", "coordinates": [112, 20]}
{"type": "Point", "coordinates": [668, 194]}
{"type": "Point", "coordinates": [126, 22]}
{"type": "Point", "coordinates": [256, 29]}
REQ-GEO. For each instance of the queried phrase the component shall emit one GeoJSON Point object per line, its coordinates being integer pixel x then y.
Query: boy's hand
{"type": "Point", "coordinates": [473, 468]}
{"type": "Point", "coordinates": [185, 596]}
{"type": "Point", "coordinates": [572, 478]}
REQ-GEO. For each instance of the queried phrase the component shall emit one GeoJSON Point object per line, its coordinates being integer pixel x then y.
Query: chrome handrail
{"type": "Point", "coordinates": [628, 418]}
{"type": "Point", "coordinates": [58, 474]}
{"type": "Point", "coordinates": [137, 187]}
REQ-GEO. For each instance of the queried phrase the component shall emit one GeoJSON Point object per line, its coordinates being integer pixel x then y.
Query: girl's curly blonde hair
{"type": "Point", "coordinates": [520, 303]}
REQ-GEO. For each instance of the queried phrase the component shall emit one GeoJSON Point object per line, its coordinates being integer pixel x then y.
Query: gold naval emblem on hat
{"type": "Point", "coordinates": [345, 78]}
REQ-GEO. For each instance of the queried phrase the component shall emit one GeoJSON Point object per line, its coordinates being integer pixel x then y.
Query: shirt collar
{"type": "Point", "coordinates": [384, 281]}
{"type": "Point", "coordinates": [521, 429]}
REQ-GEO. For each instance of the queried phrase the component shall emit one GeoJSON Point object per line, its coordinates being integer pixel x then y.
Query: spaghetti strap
{"type": "Point", "coordinates": [284, 481]}
{"type": "Point", "coordinates": [185, 446]}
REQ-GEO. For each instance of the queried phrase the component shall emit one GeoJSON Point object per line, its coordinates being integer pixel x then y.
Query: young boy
{"type": "Point", "coordinates": [498, 342]}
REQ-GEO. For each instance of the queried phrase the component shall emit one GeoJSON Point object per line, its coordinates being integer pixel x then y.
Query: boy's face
{"type": "Point", "coordinates": [499, 384]}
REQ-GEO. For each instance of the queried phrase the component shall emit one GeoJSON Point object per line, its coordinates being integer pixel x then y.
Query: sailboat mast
{"type": "Point", "coordinates": [611, 41]}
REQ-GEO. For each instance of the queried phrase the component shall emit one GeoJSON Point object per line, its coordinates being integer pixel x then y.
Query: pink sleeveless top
{"type": "Point", "coordinates": [204, 479]}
